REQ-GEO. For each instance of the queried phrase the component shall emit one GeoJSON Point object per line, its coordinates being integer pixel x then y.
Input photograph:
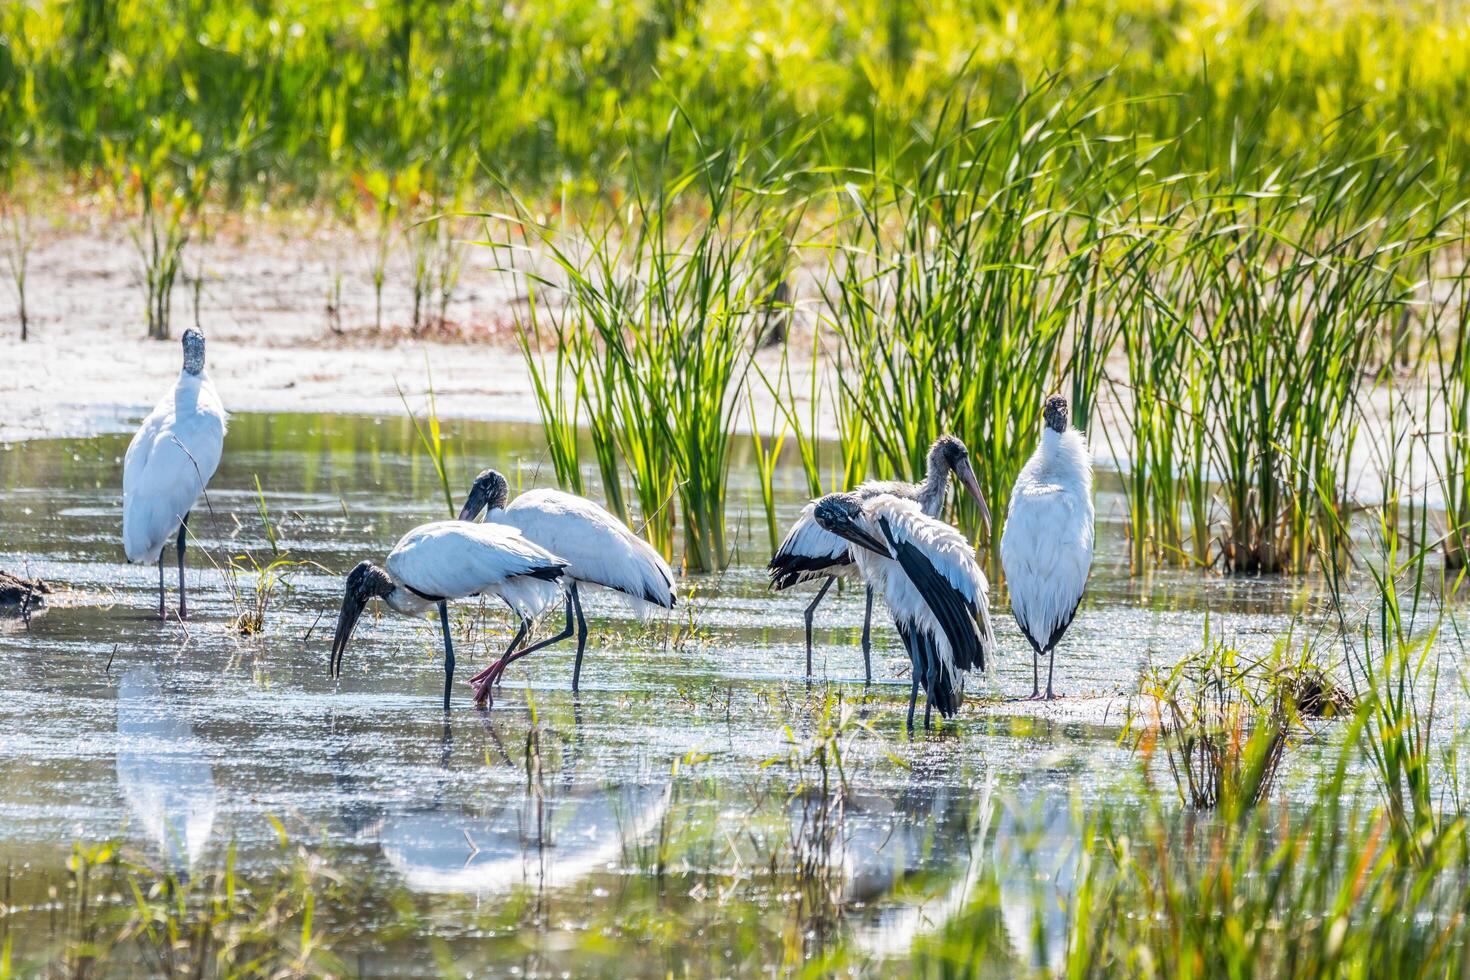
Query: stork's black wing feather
{"type": "Point", "coordinates": [951, 609]}
{"type": "Point", "coordinates": [1056, 634]}
{"type": "Point", "coordinates": [933, 678]}
{"type": "Point", "coordinates": [787, 569]}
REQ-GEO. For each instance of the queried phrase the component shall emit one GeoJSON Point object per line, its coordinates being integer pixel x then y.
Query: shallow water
{"type": "Point", "coordinates": [623, 829]}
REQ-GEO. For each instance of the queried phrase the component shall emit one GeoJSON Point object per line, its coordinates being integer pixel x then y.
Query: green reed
{"type": "Point", "coordinates": [767, 451]}
{"type": "Point", "coordinates": [954, 292]}
{"type": "Point", "coordinates": [1448, 391]}
{"type": "Point", "coordinates": [663, 313]}
{"type": "Point", "coordinates": [431, 440]}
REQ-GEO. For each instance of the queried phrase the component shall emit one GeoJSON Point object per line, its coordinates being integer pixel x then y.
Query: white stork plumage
{"type": "Point", "coordinates": [810, 553]}
{"type": "Point", "coordinates": [1046, 548]}
{"type": "Point", "coordinates": [169, 463]}
{"type": "Point", "coordinates": [599, 550]}
{"type": "Point", "coordinates": [447, 560]}
{"type": "Point", "coordinates": [927, 574]}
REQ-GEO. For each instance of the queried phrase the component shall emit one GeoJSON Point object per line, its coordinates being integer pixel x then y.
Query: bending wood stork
{"type": "Point", "coordinates": [809, 553]}
{"type": "Point", "coordinates": [169, 463]}
{"type": "Point", "coordinates": [447, 560]}
{"type": "Point", "coordinates": [599, 550]}
{"type": "Point", "coordinates": [927, 574]}
{"type": "Point", "coordinates": [1046, 548]}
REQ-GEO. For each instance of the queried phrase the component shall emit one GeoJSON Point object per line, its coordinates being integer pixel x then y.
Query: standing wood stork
{"type": "Point", "coordinates": [599, 550]}
{"type": "Point", "coordinates": [168, 465]}
{"type": "Point", "coordinates": [1046, 548]}
{"type": "Point", "coordinates": [927, 574]}
{"type": "Point", "coordinates": [809, 553]}
{"type": "Point", "coordinates": [446, 560]}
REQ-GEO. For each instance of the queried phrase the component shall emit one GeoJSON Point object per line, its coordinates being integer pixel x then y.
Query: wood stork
{"type": "Point", "coordinates": [599, 550]}
{"type": "Point", "coordinates": [169, 463]}
{"type": "Point", "coordinates": [447, 560]}
{"type": "Point", "coordinates": [1046, 547]}
{"type": "Point", "coordinates": [927, 574]}
{"type": "Point", "coordinates": [809, 553]}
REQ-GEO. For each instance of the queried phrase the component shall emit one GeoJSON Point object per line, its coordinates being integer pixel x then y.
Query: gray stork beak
{"type": "Point", "coordinates": [473, 504]}
{"type": "Point", "coordinates": [966, 474]}
{"type": "Point", "coordinates": [352, 607]}
{"type": "Point", "coordinates": [858, 536]}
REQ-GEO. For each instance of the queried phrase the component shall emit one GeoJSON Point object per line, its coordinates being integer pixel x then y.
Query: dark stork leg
{"type": "Point", "coordinates": [1035, 672]}
{"type": "Point", "coordinates": [933, 677]}
{"type": "Point", "coordinates": [810, 611]}
{"type": "Point", "coordinates": [581, 638]}
{"type": "Point", "coordinates": [162, 613]}
{"type": "Point", "coordinates": [1050, 665]}
{"type": "Point", "coordinates": [183, 595]}
{"type": "Point", "coordinates": [913, 700]}
{"type": "Point", "coordinates": [867, 638]}
{"type": "Point", "coordinates": [448, 652]}
{"type": "Point", "coordinates": [515, 642]}
{"type": "Point", "coordinates": [482, 689]}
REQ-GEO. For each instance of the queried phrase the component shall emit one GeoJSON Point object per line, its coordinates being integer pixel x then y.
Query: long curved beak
{"type": "Point", "coordinates": [966, 473]}
{"type": "Point", "coordinates": [473, 504]}
{"type": "Point", "coordinates": [855, 534]}
{"type": "Point", "coordinates": [346, 620]}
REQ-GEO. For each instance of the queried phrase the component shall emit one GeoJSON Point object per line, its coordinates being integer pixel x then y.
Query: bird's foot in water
{"type": "Point", "coordinates": [483, 696]}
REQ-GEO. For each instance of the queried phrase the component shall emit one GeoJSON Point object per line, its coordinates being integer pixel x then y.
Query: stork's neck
{"type": "Point", "coordinates": [406, 601]}
{"type": "Point", "coordinates": [935, 486]}
{"type": "Point", "coordinates": [188, 379]}
{"type": "Point", "coordinates": [1063, 457]}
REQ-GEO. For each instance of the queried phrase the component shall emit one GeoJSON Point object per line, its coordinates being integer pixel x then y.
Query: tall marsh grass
{"type": "Point", "coordinates": [663, 303]}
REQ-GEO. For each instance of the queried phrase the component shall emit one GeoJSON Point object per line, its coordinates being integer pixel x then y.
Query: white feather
{"type": "Point", "coordinates": [598, 548]}
{"type": "Point", "coordinates": [454, 559]}
{"type": "Point", "coordinates": [1046, 548]}
{"type": "Point", "coordinates": [169, 463]}
{"type": "Point", "coordinates": [949, 553]}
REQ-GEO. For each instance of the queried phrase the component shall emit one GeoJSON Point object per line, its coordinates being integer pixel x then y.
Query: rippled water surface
{"type": "Point", "coordinates": [633, 828]}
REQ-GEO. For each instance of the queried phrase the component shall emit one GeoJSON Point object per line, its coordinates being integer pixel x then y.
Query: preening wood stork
{"type": "Point", "coordinates": [1046, 547]}
{"type": "Point", "coordinates": [810, 553]}
{"type": "Point", "coordinates": [927, 575]}
{"type": "Point", "coordinates": [447, 560]}
{"type": "Point", "coordinates": [169, 463]}
{"type": "Point", "coordinates": [599, 550]}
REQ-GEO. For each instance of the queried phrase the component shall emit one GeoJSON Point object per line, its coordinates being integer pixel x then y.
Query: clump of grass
{"type": "Point", "coordinates": [267, 579]}
{"type": "Point", "coordinates": [955, 288]}
{"type": "Point", "coordinates": [664, 312]}
{"type": "Point", "coordinates": [557, 388]}
{"type": "Point", "coordinates": [1223, 736]}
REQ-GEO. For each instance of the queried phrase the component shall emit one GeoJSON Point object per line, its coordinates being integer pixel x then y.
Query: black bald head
{"type": "Point", "coordinates": [490, 491]}
{"type": "Point", "coordinates": [368, 581]}
{"type": "Point", "coordinates": [836, 509]}
{"type": "Point", "coordinates": [193, 351]}
{"type": "Point", "coordinates": [948, 451]}
{"type": "Point", "coordinates": [841, 514]}
{"type": "Point", "coordinates": [1056, 415]}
